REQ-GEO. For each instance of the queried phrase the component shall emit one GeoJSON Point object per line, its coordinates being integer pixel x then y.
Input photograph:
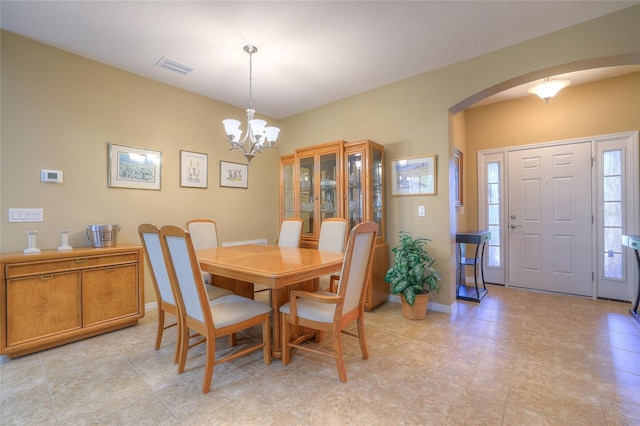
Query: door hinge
{"type": "Point", "coordinates": [593, 276]}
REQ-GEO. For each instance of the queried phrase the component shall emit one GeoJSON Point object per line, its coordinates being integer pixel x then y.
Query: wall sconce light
{"type": "Point", "coordinates": [548, 88]}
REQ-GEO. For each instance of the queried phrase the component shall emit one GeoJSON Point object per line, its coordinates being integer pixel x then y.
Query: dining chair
{"type": "Point", "coordinates": [150, 239]}
{"type": "Point", "coordinates": [333, 237]}
{"type": "Point", "coordinates": [325, 311]}
{"type": "Point", "coordinates": [204, 234]}
{"type": "Point", "coordinates": [290, 236]}
{"type": "Point", "coordinates": [219, 317]}
{"type": "Point", "coordinates": [290, 232]}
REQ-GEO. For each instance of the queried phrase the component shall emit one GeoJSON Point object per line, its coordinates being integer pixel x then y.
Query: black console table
{"type": "Point", "coordinates": [479, 238]}
{"type": "Point", "coordinates": [633, 242]}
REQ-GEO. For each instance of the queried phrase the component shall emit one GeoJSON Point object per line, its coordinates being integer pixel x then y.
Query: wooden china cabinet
{"type": "Point", "coordinates": [338, 179]}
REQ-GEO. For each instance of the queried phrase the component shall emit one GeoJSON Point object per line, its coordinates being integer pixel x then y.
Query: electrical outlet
{"type": "Point", "coordinates": [421, 211]}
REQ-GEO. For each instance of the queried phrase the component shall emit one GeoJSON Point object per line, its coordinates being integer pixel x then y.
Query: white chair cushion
{"type": "Point", "coordinates": [232, 309]}
{"type": "Point", "coordinates": [311, 310]}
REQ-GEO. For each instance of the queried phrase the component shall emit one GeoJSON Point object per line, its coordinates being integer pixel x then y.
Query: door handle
{"type": "Point", "coordinates": [516, 226]}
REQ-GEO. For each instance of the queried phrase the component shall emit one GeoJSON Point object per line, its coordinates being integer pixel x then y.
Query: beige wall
{"type": "Point", "coordinates": [603, 107]}
{"type": "Point", "coordinates": [410, 118]}
{"type": "Point", "coordinates": [59, 111]}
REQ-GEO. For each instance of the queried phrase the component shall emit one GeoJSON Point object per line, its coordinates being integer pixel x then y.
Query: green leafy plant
{"type": "Point", "coordinates": [412, 272]}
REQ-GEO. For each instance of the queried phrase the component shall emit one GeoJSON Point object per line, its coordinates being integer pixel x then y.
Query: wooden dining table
{"type": "Point", "coordinates": [278, 268]}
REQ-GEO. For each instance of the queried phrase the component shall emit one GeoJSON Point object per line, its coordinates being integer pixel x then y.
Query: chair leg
{"type": "Point", "coordinates": [362, 337]}
{"type": "Point", "coordinates": [183, 344]}
{"type": "Point", "coordinates": [232, 339]}
{"type": "Point", "coordinates": [160, 327]}
{"type": "Point", "coordinates": [266, 339]}
{"type": "Point", "coordinates": [286, 335]}
{"type": "Point", "coordinates": [178, 351]}
{"type": "Point", "coordinates": [210, 364]}
{"type": "Point", "coordinates": [337, 350]}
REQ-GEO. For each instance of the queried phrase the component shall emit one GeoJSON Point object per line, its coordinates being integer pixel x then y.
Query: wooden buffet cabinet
{"type": "Point", "coordinates": [56, 297]}
{"type": "Point", "coordinates": [338, 179]}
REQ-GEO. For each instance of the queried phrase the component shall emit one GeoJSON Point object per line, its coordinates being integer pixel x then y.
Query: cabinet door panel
{"type": "Point", "coordinates": [42, 305]}
{"type": "Point", "coordinates": [109, 293]}
{"type": "Point", "coordinates": [307, 195]}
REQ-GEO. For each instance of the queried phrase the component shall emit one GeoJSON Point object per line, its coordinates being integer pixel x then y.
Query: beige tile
{"type": "Point", "coordinates": [616, 386]}
{"type": "Point", "coordinates": [607, 359]}
{"type": "Point", "coordinates": [621, 413]}
{"type": "Point", "coordinates": [557, 400]}
{"type": "Point", "coordinates": [445, 402]}
{"type": "Point", "coordinates": [517, 358]}
{"type": "Point", "coordinates": [515, 415]}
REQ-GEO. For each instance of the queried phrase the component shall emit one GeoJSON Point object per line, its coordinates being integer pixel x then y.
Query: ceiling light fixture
{"type": "Point", "coordinates": [258, 137]}
{"type": "Point", "coordinates": [548, 88]}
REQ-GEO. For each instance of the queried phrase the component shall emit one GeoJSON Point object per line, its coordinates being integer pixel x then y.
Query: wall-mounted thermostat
{"type": "Point", "coordinates": [51, 176]}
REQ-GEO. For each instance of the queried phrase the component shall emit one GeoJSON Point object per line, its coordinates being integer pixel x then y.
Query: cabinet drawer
{"type": "Point", "coordinates": [66, 264]}
{"type": "Point", "coordinates": [39, 307]}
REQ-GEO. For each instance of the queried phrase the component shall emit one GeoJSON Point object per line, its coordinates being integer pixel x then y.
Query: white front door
{"type": "Point", "coordinates": [549, 219]}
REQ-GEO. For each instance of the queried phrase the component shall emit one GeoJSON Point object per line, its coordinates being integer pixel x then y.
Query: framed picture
{"type": "Point", "coordinates": [414, 176]}
{"type": "Point", "coordinates": [233, 175]}
{"type": "Point", "coordinates": [193, 169]}
{"type": "Point", "coordinates": [133, 167]}
{"type": "Point", "coordinates": [457, 177]}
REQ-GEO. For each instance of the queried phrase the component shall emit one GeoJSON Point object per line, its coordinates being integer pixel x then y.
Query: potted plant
{"type": "Point", "coordinates": [412, 275]}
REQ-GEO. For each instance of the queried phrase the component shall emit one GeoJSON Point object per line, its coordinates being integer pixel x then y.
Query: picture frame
{"type": "Point", "coordinates": [414, 176]}
{"type": "Point", "coordinates": [234, 175]}
{"type": "Point", "coordinates": [194, 168]}
{"type": "Point", "coordinates": [133, 167]}
{"type": "Point", "coordinates": [457, 177]}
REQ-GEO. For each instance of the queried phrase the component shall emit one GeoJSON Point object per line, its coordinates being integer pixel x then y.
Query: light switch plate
{"type": "Point", "coordinates": [421, 211]}
{"type": "Point", "coordinates": [26, 215]}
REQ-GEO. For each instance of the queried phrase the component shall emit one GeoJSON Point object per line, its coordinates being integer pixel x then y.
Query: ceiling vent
{"type": "Point", "coordinates": [171, 65]}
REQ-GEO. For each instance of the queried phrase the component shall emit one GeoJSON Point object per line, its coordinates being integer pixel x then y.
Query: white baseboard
{"type": "Point", "coordinates": [437, 307]}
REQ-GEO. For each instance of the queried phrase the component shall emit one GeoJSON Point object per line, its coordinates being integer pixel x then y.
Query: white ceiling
{"type": "Point", "coordinates": [310, 53]}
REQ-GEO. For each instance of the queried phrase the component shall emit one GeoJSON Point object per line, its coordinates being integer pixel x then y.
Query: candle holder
{"type": "Point", "coordinates": [32, 249]}
{"type": "Point", "coordinates": [64, 237]}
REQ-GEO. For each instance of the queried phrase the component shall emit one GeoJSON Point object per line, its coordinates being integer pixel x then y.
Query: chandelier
{"type": "Point", "coordinates": [258, 136]}
{"type": "Point", "coordinates": [548, 88]}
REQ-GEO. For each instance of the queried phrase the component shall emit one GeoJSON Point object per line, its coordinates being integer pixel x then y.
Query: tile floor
{"type": "Point", "coordinates": [518, 358]}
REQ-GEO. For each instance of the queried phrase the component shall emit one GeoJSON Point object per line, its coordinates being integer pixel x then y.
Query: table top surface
{"type": "Point", "coordinates": [473, 237]}
{"type": "Point", "coordinates": [632, 241]}
{"type": "Point", "coordinates": [47, 254]}
{"type": "Point", "coordinates": [269, 265]}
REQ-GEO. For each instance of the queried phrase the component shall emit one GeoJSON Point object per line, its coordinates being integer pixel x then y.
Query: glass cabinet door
{"type": "Point", "coordinates": [307, 195]}
{"type": "Point", "coordinates": [355, 208]}
{"type": "Point", "coordinates": [286, 167]}
{"type": "Point", "coordinates": [378, 195]}
{"type": "Point", "coordinates": [328, 186]}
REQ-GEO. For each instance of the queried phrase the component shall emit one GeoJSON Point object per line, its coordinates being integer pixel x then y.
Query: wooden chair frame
{"type": "Point", "coordinates": [164, 305]}
{"type": "Point", "coordinates": [206, 326]}
{"type": "Point", "coordinates": [341, 319]}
